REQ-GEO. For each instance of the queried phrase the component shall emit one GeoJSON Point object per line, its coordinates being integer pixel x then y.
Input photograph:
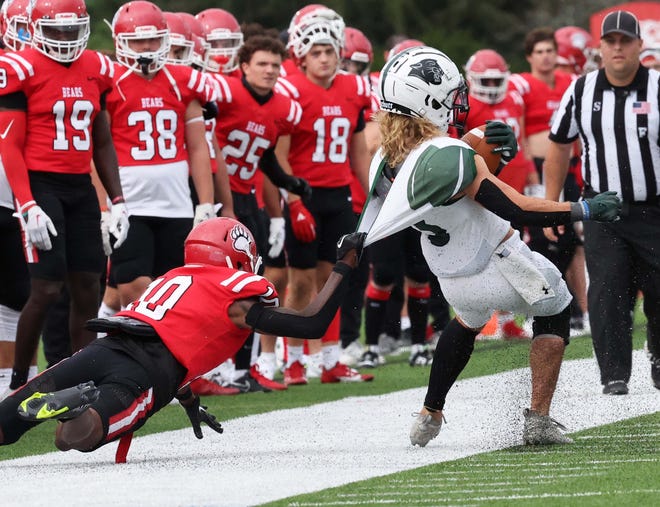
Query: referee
{"type": "Point", "coordinates": [614, 111]}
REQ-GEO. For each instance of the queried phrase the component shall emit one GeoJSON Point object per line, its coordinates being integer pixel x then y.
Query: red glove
{"type": "Point", "coordinates": [302, 222]}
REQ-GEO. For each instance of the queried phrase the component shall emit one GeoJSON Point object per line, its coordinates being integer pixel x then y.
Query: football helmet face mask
{"type": "Point", "coordinates": [181, 40]}
{"type": "Point", "coordinates": [60, 28]}
{"type": "Point", "coordinates": [141, 36]}
{"type": "Point", "coordinates": [222, 242]}
{"type": "Point", "coordinates": [357, 51]}
{"type": "Point", "coordinates": [487, 75]}
{"type": "Point", "coordinates": [224, 38]}
{"type": "Point", "coordinates": [422, 82]}
{"type": "Point", "coordinates": [16, 24]}
{"type": "Point", "coordinates": [315, 24]}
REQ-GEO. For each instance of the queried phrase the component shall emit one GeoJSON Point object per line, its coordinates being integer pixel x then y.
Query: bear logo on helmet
{"type": "Point", "coordinates": [428, 71]}
{"type": "Point", "coordinates": [241, 240]}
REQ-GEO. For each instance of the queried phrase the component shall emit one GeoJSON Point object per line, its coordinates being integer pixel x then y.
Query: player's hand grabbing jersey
{"type": "Point", "coordinates": [247, 127]}
{"type": "Point", "coordinates": [320, 143]}
{"type": "Point", "coordinates": [200, 340]}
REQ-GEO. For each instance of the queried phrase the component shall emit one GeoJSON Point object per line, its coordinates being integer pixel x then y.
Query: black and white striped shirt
{"type": "Point", "coordinates": [620, 132]}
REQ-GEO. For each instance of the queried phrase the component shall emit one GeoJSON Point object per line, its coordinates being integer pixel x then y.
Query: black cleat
{"type": "Point", "coordinates": [64, 404]}
{"type": "Point", "coordinates": [616, 387]}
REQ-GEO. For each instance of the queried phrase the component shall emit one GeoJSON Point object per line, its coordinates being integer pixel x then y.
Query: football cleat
{"type": "Point", "coordinates": [543, 430]}
{"type": "Point", "coordinates": [205, 387]}
{"type": "Point", "coordinates": [294, 375]}
{"type": "Point", "coordinates": [265, 381]}
{"type": "Point", "coordinates": [342, 373]}
{"type": "Point", "coordinates": [64, 404]}
{"type": "Point", "coordinates": [424, 429]}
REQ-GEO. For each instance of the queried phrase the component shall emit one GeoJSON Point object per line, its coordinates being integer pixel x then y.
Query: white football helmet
{"type": "Point", "coordinates": [423, 82]}
{"type": "Point", "coordinates": [315, 24]}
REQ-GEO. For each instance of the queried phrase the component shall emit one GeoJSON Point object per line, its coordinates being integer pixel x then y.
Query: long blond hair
{"type": "Point", "coordinates": [401, 134]}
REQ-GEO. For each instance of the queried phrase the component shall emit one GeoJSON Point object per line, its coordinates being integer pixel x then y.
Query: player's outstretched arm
{"type": "Point", "coordinates": [313, 320]}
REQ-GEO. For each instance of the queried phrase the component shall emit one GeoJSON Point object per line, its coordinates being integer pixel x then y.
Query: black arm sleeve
{"type": "Point", "coordinates": [14, 101]}
{"type": "Point", "coordinates": [272, 168]}
{"type": "Point", "coordinates": [279, 322]}
{"type": "Point", "coordinates": [492, 198]}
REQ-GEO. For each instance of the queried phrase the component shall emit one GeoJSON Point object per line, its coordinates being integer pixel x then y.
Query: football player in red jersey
{"type": "Point", "coordinates": [326, 147]}
{"type": "Point", "coordinates": [14, 276]}
{"type": "Point", "coordinates": [251, 118]}
{"type": "Point", "coordinates": [51, 96]}
{"type": "Point", "coordinates": [186, 322]}
{"type": "Point", "coordinates": [157, 127]}
{"type": "Point", "coordinates": [224, 38]}
{"type": "Point", "coordinates": [541, 90]}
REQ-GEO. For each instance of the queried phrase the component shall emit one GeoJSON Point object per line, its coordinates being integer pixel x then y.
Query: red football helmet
{"type": "Point", "coordinates": [222, 242]}
{"type": "Point", "coordinates": [137, 24]}
{"type": "Point", "coordinates": [574, 48]}
{"type": "Point", "coordinates": [357, 49]}
{"type": "Point", "coordinates": [192, 22]}
{"type": "Point", "coordinates": [181, 40]}
{"type": "Point", "coordinates": [200, 58]}
{"type": "Point", "coordinates": [315, 24]}
{"type": "Point", "coordinates": [487, 75]}
{"type": "Point", "coordinates": [403, 45]}
{"type": "Point", "coordinates": [16, 24]}
{"type": "Point", "coordinates": [60, 28]}
{"type": "Point", "coordinates": [224, 37]}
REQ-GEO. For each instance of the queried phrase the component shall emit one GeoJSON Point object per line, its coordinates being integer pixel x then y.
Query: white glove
{"type": "Point", "coordinates": [105, 232]}
{"type": "Point", "coordinates": [118, 225]}
{"type": "Point", "coordinates": [37, 226]}
{"type": "Point", "coordinates": [276, 237]}
{"type": "Point", "coordinates": [203, 212]}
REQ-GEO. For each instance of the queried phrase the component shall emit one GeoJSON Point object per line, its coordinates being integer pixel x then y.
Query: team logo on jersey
{"type": "Point", "coordinates": [428, 71]}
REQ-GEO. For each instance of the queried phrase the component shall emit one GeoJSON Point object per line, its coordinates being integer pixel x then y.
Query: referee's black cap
{"type": "Point", "coordinates": [620, 22]}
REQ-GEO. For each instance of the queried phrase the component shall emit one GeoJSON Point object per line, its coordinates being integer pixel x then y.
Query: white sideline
{"type": "Point", "coordinates": [283, 453]}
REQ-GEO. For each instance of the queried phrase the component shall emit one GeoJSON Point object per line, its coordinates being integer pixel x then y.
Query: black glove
{"type": "Point", "coordinates": [210, 110]}
{"type": "Point", "coordinates": [198, 414]}
{"type": "Point", "coordinates": [299, 187]}
{"type": "Point", "coordinates": [605, 207]}
{"type": "Point", "coordinates": [348, 242]}
{"type": "Point", "coordinates": [500, 133]}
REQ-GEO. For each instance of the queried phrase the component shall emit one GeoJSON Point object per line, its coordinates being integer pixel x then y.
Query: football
{"type": "Point", "coordinates": [476, 139]}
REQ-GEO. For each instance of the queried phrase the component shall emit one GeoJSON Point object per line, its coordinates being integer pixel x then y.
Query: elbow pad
{"type": "Point", "coordinates": [491, 197]}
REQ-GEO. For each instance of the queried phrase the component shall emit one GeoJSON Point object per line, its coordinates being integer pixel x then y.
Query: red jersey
{"type": "Point", "coordinates": [320, 143]}
{"type": "Point", "coordinates": [289, 68]}
{"type": "Point", "coordinates": [148, 116]}
{"type": "Point", "coordinates": [509, 111]}
{"type": "Point", "coordinates": [248, 126]}
{"type": "Point", "coordinates": [63, 101]}
{"type": "Point", "coordinates": [199, 340]}
{"type": "Point", "coordinates": [541, 101]}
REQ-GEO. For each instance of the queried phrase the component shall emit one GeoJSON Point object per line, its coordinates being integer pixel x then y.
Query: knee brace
{"type": "Point", "coordinates": [554, 325]}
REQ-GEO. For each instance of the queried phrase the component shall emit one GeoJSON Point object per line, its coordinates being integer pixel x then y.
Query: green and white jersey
{"type": "Point", "coordinates": [458, 238]}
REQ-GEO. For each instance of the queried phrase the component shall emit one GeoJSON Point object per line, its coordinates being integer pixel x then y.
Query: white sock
{"type": "Point", "coordinates": [293, 354]}
{"type": "Point", "coordinates": [8, 324]}
{"type": "Point", "coordinates": [330, 355]}
{"type": "Point", "coordinates": [267, 364]}
{"type": "Point", "coordinates": [33, 371]}
{"type": "Point", "coordinates": [405, 322]}
{"type": "Point", "coordinates": [5, 378]}
{"type": "Point", "coordinates": [105, 311]}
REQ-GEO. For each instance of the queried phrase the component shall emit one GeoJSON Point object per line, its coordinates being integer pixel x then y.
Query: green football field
{"type": "Point", "coordinates": [616, 464]}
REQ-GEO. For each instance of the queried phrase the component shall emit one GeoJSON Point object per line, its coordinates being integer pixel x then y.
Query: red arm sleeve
{"type": "Point", "coordinates": [13, 124]}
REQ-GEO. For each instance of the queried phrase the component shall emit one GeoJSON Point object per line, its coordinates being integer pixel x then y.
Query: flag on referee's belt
{"type": "Point", "coordinates": [641, 107]}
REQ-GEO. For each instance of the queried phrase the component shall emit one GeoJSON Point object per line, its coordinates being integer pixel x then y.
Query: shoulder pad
{"type": "Point", "coordinates": [440, 173]}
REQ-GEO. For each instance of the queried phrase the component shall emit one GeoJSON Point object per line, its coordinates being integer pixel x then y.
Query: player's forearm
{"type": "Point", "coordinates": [13, 127]}
{"type": "Point", "coordinates": [555, 169]}
{"type": "Point", "coordinates": [105, 157]}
